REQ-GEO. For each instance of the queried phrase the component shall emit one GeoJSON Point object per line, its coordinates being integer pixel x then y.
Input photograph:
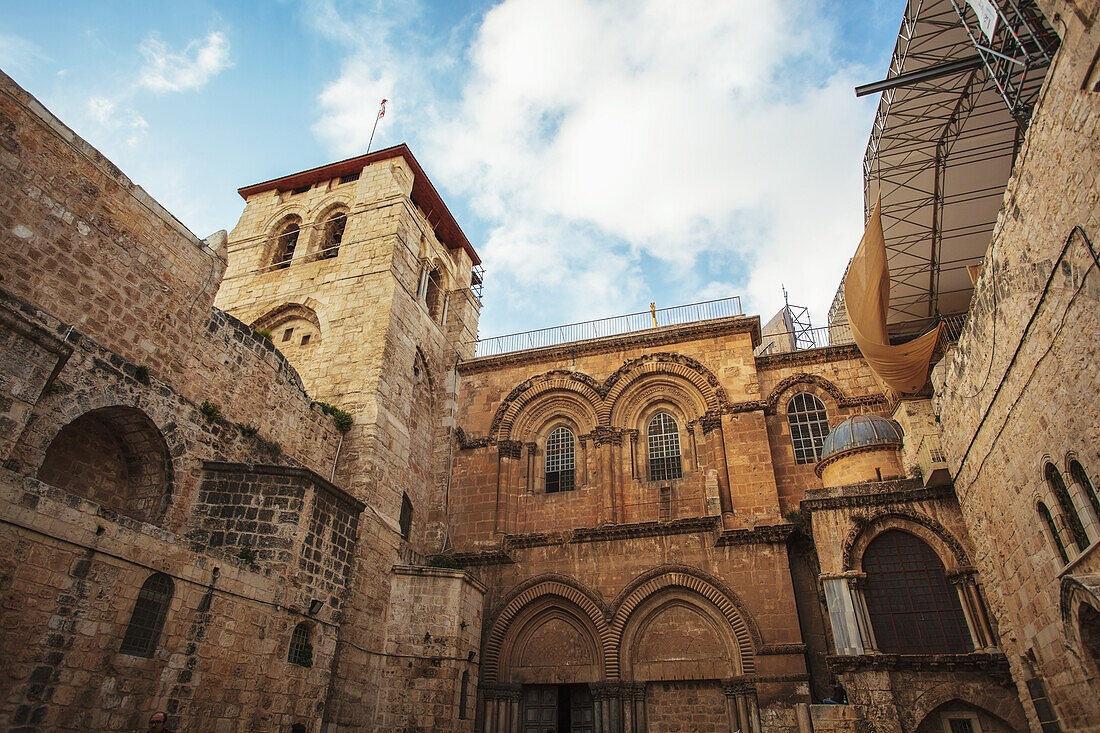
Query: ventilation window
{"type": "Point", "coordinates": [349, 178]}
{"type": "Point", "coordinates": [913, 609]}
{"type": "Point", "coordinates": [809, 426]}
{"type": "Point", "coordinates": [1044, 711]}
{"type": "Point", "coordinates": [147, 620]}
{"type": "Point", "coordinates": [1073, 519]}
{"type": "Point", "coordinates": [463, 696]}
{"type": "Point", "coordinates": [300, 651]}
{"type": "Point", "coordinates": [287, 334]}
{"type": "Point", "coordinates": [300, 189]}
{"type": "Point", "coordinates": [406, 520]}
{"type": "Point", "coordinates": [305, 339]}
{"type": "Point", "coordinates": [664, 448]}
{"type": "Point", "coordinates": [559, 460]}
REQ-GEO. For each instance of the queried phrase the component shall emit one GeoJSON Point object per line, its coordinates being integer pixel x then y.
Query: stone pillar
{"type": "Point", "coordinates": [509, 454]}
{"type": "Point", "coordinates": [633, 436]}
{"type": "Point", "coordinates": [501, 708]}
{"type": "Point", "coordinates": [606, 440]}
{"type": "Point", "coordinates": [852, 632]}
{"type": "Point", "coordinates": [977, 620]}
{"type": "Point", "coordinates": [532, 466]}
{"type": "Point", "coordinates": [619, 707]}
{"type": "Point", "coordinates": [741, 707]}
{"type": "Point", "coordinates": [716, 446]}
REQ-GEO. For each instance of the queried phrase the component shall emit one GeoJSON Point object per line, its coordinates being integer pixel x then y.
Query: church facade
{"type": "Point", "coordinates": [265, 478]}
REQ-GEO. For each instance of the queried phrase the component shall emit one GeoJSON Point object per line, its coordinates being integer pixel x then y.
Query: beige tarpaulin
{"type": "Point", "coordinates": [903, 369]}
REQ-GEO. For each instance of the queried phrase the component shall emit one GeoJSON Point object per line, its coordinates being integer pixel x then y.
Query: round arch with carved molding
{"type": "Point", "coordinates": [946, 546]}
{"type": "Point", "coordinates": [633, 406]}
{"type": "Point", "coordinates": [797, 383]}
{"type": "Point", "coordinates": [306, 311]}
{"type": "Point", "coordinates": [551, 406]}
{"type": "Point", "coordinates": [710, 390]}
{"type": "Point", "coordinates": [575, 383]}
{"type": "Point", "coordinates": [728, 603]}
{"type": "Point", "coordinates": [1004, 707]}
{"type": "Point", "coordinates": [340, 204]}
{"type": "Point", "coordinates": [537, 590]}
{"type": "Point", "coordinates": [1078, 591]}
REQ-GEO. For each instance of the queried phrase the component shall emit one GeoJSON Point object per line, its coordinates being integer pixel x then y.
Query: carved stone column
{"type": "Point", "coordinates": [852, 632]}
{"type": "Point", "coordinates": [977, 620]}
{"type": "Point", "coordinates": [741, 706]}
{"type": "Point", "coordinates": [532, 466]}
{"type": "Point", "coordinates": [606, 439]}
{"type": "Point", "coordinates": [619, 707]}
{"type": "Point", "coordinates": [509, 453]}
{"type": "Point", "coordinates": [501, 708]}
{"type": "Point", "coordinates": [632, 434]}
{"type": "Point", "coordinates": [716, 446]}
{"type": "Point", "coordinates": [857, 584]}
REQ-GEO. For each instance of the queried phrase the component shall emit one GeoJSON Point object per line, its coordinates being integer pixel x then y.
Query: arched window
{"type": "Point", "coordinates": [664, 448]}
{"type": "Point", "coordinates": [913, 609]}
{"type": "Point", "coordinates": [1073, 520]}
{"type": "Point", "coordinates": [147, 620]}
{"type": "Point", "coordinates": [285, 242]}
{"type": "Point", "coordinates": [463, 696]}
{"type": "Point", "coordinates": [433, 293]}
{"type": "Point", "coordinates": [1048, 520]}
{"type": "Point", "coordinates": [559, 460]}
{"type": "Point", "coordinates": [809, 426]}
{"type": "Point", "coordinates": [1077, 473]}
{"type": "Point", "coordinates": [406, 520]}
{"type": "Point", "coordinates": [334, 234]}
{"type": "Point", "coordinates": [300, 651]}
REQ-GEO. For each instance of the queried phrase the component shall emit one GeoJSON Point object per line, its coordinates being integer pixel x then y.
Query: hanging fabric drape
{"type": "Point", "coordinates": [903, 369]}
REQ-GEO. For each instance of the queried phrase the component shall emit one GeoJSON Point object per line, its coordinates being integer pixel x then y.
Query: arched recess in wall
{"type": "Point", "coordinates": [537, 421]}
{"type": "Point", "coordinates": [535, 617]}
{"type": "Point", "coordinates": [283, 241]}
{"type": "Point", "coordinates": [116, 457]}
{"type": "Point", "coordinates": [524, 408]}
{"type": "Point", "coordinates": [1080, 606]}
{"type": "Point", "coordinates": [294, 327]}
{"type": "Point", "coordinates": [637, 382]}
{"type": "Point", "coordinates": [660, 600]}
{"type": "Point", "coordinates": [818, 386]}
{"type": "Point", "coordinates": [949, 550]}
{"type": "Point", "coordinates": [934, 710]}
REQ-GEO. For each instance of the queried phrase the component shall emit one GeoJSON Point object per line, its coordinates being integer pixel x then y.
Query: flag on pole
{"type": "Point", "coordinates": [381, 114]}
{"type": "Point", "coordinates": [382, 109]}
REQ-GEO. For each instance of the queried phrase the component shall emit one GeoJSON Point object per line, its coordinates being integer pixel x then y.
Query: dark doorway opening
{"type": "Point", "coordinates": [557, 709]}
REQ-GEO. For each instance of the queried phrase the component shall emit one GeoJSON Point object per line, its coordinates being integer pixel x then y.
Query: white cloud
{"type": "Point", "coordinates": [166, 71]}
{"type": "Point", "coordinates": [125, 122]}
{"type": "Point", "coordinates": [17, 54]}
{"type": "Point", "coordinates": [620, 152]}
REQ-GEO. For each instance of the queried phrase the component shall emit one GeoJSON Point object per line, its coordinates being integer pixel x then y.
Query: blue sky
{"type": "Point", "coordinates": [599, 155]}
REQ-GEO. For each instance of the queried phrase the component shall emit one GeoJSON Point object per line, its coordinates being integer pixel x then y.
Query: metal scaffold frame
{"type": "Point", "coordinates": [946, 132]}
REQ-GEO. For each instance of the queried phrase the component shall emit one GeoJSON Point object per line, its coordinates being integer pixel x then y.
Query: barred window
{"type": "Point", "coordinates": [560, 458]}
{"type": "Point", "coordinates": [912, 607]}
{"type": "Point", "coordinates": [809, 426]}
{"type": "Point", "coordinates": [664, 448]}
{"type": "Point", "coordinates": [1073, 519]}
{"type": "Point", "coordinates": [300, 651]}
{"type": "Point", "coordinates": [147, 619]}
{"type": "Point", "coordinates": [1077, 473]}
{"type": "Point", "coordinates": [334, 234]}
{"type": "Point", "coordinates": [285, 243]}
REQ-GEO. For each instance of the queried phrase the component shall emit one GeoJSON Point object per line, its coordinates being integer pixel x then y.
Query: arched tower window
{"type": "Point", "coordinates": [1048, 520]}
{"type": "Point", "coordinates": [333, 234]}
{"type": "Point", "coordinates": [300, 651]}
{"type": "Point", "coordinates": [285, 242]}
{"type": "Point", "coordinates": [913, 609]}
{"type": "Point", "coordinates": [433, 293]}
{"type": "Point", "coordinates": [406, 519]}
{"type": "Point", "coordinates": [1077, 473]}
{"type": "Point", "coordinates": [1073, 519]}
{"type": "Point", "coordinates": [809, 426]}
{"type": "Point", "coordinates": [664, 448]}
{"type": "Point", "coordinates": [463, 695]}
{"type": "Point", "coordinates": [559, 460]}
{"type": "Point", "coordinates": [147, 619]}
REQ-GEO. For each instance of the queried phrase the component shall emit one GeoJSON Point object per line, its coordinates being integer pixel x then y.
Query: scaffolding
{"type": "Point", "coordinates": [950, 120]}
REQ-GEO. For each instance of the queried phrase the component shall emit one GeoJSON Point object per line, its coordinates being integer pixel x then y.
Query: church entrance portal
{"type": "Point", "coordinates": [557, 709]}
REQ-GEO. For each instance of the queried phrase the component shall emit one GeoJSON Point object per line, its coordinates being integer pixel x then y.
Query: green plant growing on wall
{"type": "Point", "coordinates": [342, 418]}
{"type": "Point", "coordinates": [265, 334]}
{"type": "Point", "coordinates": [211, 410]}
{"type": "Point", "coordinates": [247, 554]}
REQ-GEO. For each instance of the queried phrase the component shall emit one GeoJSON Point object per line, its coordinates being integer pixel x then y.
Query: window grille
{"type": "Point", "coordinates": [1077, 473]}
{"type": "Point", "coordinates": [664, 448]}
{"type": "Point", "coordinates": [349, 178]}
{"type": "Point", "coordinates": [664, 507]}
{"type": "Point", "coordinates": [560, 457]}
{"type": "Point", "coordinates": [913, 609]}
{"type": "Point", "coordinates": [147, 620]}
{"type": "Point", "coordinates": [285, 244]}
{"type": "Point", "coordinates": [1044, 711]}
{"type": "Point", "coordinates": [334, 235]}
{"type": "Point", "coordinates": [809, 426]}
{"type": "Point", "coordinates": [1073, 519]}
{"type": "Point", "coordinates": [300, 651]}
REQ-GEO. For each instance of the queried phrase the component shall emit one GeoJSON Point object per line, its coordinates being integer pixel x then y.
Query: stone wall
{"type": "Point", "coordinates": [1019, 390]}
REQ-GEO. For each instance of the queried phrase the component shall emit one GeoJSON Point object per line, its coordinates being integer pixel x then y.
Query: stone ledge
{"type": "Point", "coordinates": [994, 664]}
{"type": "Point", "coordinates": [874, 493]}
{"type": "Point", "coordinates": [426, 571]}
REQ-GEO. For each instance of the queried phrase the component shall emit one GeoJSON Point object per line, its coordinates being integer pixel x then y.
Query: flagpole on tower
{"type": "Point", "coordinates": [381, 114]}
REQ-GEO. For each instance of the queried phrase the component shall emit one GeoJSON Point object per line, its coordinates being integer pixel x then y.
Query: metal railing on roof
{"type": "Point", "coordinates": [841, 335]}
{"type": "Point", "coordinates": [614, 326]}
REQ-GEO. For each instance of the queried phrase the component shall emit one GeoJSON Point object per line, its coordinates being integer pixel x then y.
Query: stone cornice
{"type": "Point", "coordinates": [819, 355]}
{"type": "Point", "coordinates": [610, 532]}
{"type": "Point", "coordinates": [482, 558]}
{"type": "Point", "coordinates": [875, 493]}
{"type": "Point", "coordinates": [636, 339]}
{"type": "Point", "coordinates": [993, 664]}
{"type": "Point", "coordinates": [769, 534]}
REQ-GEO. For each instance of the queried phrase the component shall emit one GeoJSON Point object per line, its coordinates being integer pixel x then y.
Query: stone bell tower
{"type": "Point", "coordinates": [368, 286]}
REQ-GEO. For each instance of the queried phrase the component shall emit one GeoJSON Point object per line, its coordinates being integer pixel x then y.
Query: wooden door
{"type": "Point", "coordinates": [540, 709]}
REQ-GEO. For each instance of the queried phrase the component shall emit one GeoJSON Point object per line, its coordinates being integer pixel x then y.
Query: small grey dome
{"type": "Point", "coordinates": [859, 431]}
